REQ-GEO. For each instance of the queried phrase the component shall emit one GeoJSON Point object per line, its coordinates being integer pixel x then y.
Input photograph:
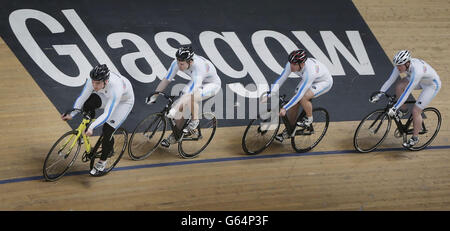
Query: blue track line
{"type": "Point", "coordinates": [261, 156]}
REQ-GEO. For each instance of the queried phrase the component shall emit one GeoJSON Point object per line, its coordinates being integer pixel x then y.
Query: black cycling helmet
{"type": "Point", "coordinates": [100, 72]}
{"type": "Point", "coordinates": [297, 56]}
{"type": "Point", "coordinates": [184, 53]}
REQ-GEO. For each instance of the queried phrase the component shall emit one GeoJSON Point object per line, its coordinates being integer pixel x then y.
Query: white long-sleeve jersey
{"type": "Point", "coordinates": [420, 75]}
{"type": "Point", "coordinates": [116, 91]}
{"type": "Point", "coordinates": [201, 71]}
{"type": "Point", "coordinates": [313, 72]}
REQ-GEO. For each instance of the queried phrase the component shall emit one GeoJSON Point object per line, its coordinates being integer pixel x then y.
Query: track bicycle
{"type": "Point", "coordinates": [64, 152]}
{"type": "Point", "coordinates": [149, 133]}
{"type": "Point", "coordinates": [373, 128]}
{"type": "Point", "coordinates": [258, 135]}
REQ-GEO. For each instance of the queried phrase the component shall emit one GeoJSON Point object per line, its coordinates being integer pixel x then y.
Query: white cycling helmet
{"type": "Point", "coordinates": [402, 57]}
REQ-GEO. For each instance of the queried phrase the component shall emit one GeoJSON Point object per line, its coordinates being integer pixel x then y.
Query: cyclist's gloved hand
{"type": "Point", "coordinates": [66, 116]}
{"type": "Point", "coordinates": [392, 112]}
{"type": "Point", "coordinates": [375, 98]}
{"type": "Point", "coordinates": [89, 132]}
{"type": "Point", "coordinates": [151, 100]}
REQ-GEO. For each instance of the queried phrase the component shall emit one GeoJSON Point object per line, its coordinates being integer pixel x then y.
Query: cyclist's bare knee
{"type": "Point", "coordinates": [416, 111]}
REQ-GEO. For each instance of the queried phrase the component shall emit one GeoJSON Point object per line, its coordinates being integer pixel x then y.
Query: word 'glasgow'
{"type": "Point", "coordinates": [18, 18]}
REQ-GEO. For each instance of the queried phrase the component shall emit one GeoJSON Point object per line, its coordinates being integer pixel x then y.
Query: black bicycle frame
{"type": "Point", "coordinates": [402, 128]}
{"type": "Point", "coordinates": [288, 125]}
{"type": "Point", "coordinates": [178, 133]}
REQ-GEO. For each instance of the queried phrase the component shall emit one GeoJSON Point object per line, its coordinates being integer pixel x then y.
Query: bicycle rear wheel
{"type": "Point", "coordinates": [372, 131]}
{"type": "Point", "coordinates": [258, 135]}
{"type": "Point", "coordinates": [306, 139]}
{"type": "Point", "coordinates": [120, 144]}
{"type": "Point", "coordinates": [146, 137]}
{"type": "Point", "coordinates": [61, 156]}
{"type": "Point", "coordinates": [190, 146]}
{"type": "Point", "coordinates": [431, 123]}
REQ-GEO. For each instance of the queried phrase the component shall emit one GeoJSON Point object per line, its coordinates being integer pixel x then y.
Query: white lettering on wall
{"type": "Point", "coordinates": [258, 41]}
{"type": "Point", "coordinates": [359, 61]}
{"type": "Point", "coordinates": [17, 21]}
{"type": "Point", "coordinates": [129, 60]}
{"type": "Point", "coordinates": [332, 43]}
{"type": "Point", "coordinates": [249, 66]}
{"type": "Point", "coordinates": [89, 39]}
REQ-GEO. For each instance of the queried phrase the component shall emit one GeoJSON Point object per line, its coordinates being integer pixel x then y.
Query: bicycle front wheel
{"type": "Point", "coordinates": [258, 135]}
{"type": "Point", "coordinates": [120, 137]}
{"type": "Point", "coordinates": [146, 137]}
{"type": "Point", "coordinates": [306, 139]}
{"type": "Point", "coordinates": [61, 156]}
{"type": "Point", "coordinates": [372, 131]}
{"type": "Point", "coordinates": [190, 146]}
{"type": "Point", "coordinates": [431, 123]}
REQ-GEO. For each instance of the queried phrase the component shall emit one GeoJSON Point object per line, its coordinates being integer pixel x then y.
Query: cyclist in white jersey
{"type": "Point", "coordinates": [204, 84]}
{"type": "Point", "coordinates": [316, 80]}
{"type": "Point", "coordinates": [111, 92]}
{"type": "Point", "coordinates": [414, 74]}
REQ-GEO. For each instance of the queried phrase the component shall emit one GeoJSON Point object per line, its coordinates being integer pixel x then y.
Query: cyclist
{"type": "Point", "coordinates": [316, 80]}
{"type": "Point", "coordinates": [111, 92]}
{"type": "Point", "coordinates": [204, 84]}
{"type": "Point", "coordinates": [414, 74]}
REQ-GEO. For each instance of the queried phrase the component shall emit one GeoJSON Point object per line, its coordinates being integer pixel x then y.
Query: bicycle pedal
{"type": "Point", "coordinates": [85, 157]}
{"type": "Point", "coordinates": [397, 133]}
{"type": "Point", "coordinates": [280, 138]}
{"type": "Point", "coordinates": [190, 133]}
{"type": "Point", "coordinates": [304, 132]}
{"type": "Point", "coordinates": [111, 154]}
{"type": "Point", "coordinates": [165, 143]}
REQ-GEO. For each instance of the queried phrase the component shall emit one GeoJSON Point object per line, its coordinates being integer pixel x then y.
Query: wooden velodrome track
{"type": "Point", "coordinates": [330, 177]}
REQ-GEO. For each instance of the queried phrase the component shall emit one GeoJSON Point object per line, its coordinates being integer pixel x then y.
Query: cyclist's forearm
{"type": "Point", "coordinates": [304, 85]}
{"type": "Point", "coordinates": [85, 93]}
{"type": "Point", "coordinates": [281, 79]}
{"type": "Point", "coordinates": [411, 85]}
{"type": "Point", "coordinates": [390, 81]}
{"type": "Point", "coordinates": [74, 113]}
{"type": "Point", "coordinates": [162, 85]}
{"type": "Point", "coordinates": [294, 100]}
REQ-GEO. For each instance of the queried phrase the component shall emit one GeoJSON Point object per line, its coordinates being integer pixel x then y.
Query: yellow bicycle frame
{"type": "Point", "coordinates": [80, 132]}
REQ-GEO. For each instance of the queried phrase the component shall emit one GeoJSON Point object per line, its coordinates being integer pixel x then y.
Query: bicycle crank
{"type": "Point", "coordinates": [86, 157]}
{"type": "Point", "coordinates": [397, 133]}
